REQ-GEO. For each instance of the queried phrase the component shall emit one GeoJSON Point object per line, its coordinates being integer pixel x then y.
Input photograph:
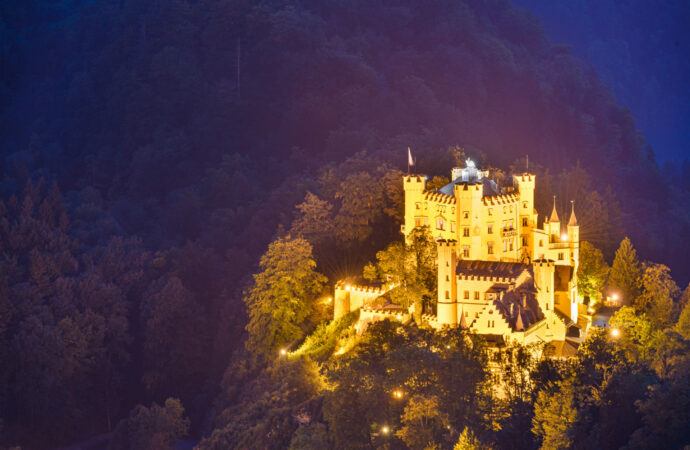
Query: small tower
{"type": "Point", "coordinates": [525, 184]}
{"type": "Point", "coordinates": [544, 271]}
{"type": "Point", "coordinates": [447, 305]}
{"type": "Point", "coordinates": [468, 207]}
{"type": "Point", "coordinates": [574, 242]}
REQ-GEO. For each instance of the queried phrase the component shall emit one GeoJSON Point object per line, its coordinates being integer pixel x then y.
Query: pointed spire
{"type": "Point", "coordinates": [463, 322]}
{"type": "Point", "coordinates": [554, 214]}
{"type": "Point", "coordinates": [519, 326]}
{"type": "Point", "coordinates": [573, 220]}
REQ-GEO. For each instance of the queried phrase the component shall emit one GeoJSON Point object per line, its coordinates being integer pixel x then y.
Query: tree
{"type": "Point", "coordinates": [315, 219]}
{"type": "Point", "coordinates": [626, 272]}
{"type": "Point", "coordinates": [555, 415]}
{"type": "Point", "coordinates": [683, 324]}
{"type": "Point", "coordinates": [469, 441]}
{"type": "Point", "coordinates": [282, 296]}
{"type": "Point", "coordinates": [157, 427]}
{"type": "Point", "coordinates": [592, 271]}
{"type": "Point", "coordinates": [423, 423]}
{"type": "Point", "coordinates": [658, 293]}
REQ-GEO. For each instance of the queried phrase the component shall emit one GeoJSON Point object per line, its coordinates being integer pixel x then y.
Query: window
{"type": "Point", "coordinates": [452, 210]}
{"type": "Point", "coordinates": [524, 205]}
{"type": "Point", "coordinates": [524, 241]}
{"type": "Point", "coordinates": [465, 214]}
{"type": "Point", "coordinates": [491, 211]}
{"type": "Point", "coordinates": [541, 243]}
{"type": "Point", "coordinates": [440, 224]}
{"type": "Point", "coordinates": [466, 314]}
{"type": "Point", "coordinates": [418, 205]}
{"type": "Point", "coordinates": [447, 278]}
{"type": "Point", "coordinates": [452, 227]}
{"type": "Point", "coordinates": [490, 229]}
{"type": "Point", "coordinates": [490, 248]}
{"type": "Point", "coordinates": [447, 295]}
{"type": "Point", "coordinates": [476, 315]}
{"type": "Point", "coordinates": [524, 221]}
{"type": "Point", "coordinates": [511, 208]}
{"type": "Point", "coordinates": [467, 295]}
{"type": "Point", "coordinates": [426, 222]}
{"type": "Point", "coordinates": [560, 256]}
{"type": "Point", "coordinates": [476, 295]}
{"type": "Point", "coordinates": [505, 209]}
{"type": "Point", "coordinates": [466, 232]}
{"type": "Point", "coordinates": [505, 246]}
{"type": "Point", "coordinates": [417, 221]}
{"type": "Point", "coordinates": [490, 323]}
{"type": "Point", "coordinates": [465, 252]}
{"type": "Point", "coordinates": [511, 245]}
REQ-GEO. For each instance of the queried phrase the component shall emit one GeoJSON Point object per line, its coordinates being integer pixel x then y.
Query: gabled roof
{"type": "Point", "coordinates": [490, 187]}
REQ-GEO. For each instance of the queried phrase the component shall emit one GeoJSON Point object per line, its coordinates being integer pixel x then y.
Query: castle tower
{"type": "Point", "coordinates": [447, 305]}
{"type": "Point", "coordinates": [341, 304]}
{"type": "Point", "coordinates": [414, 186]}
{"type": "Point", "coordinates": [525, 184]}
{"type": "Point", "coordinates": [544, 273]}
{"type": "Point", "coordinates": [554, 224]}
{"type": "Point", "coordinates": [468, 208]}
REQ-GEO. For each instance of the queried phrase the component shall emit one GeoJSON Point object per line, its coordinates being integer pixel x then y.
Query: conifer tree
{"type": "Point", "coordinates": [626, 272]}
{"type": "Point", "coordinates": [592, 271]}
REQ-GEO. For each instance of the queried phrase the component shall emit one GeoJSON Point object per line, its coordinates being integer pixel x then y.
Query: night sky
{"type": "Point", "coordinates": [641, 50]}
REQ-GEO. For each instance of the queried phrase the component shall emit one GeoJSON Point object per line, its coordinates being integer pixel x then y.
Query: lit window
{"type": "Point", "coordinates": [440, 224]}
{"type": "Point", "coordinates": [417, 222]}
{"type": "Point", "coordinates": [560, 256]}
{"type": "Point", "coordinates": [476, 315]}
{"type": "Point", "coordinates": [524, 221]}
{"type": "Point", "coordinates": [466, 314]}
{"type": "Point", "coordinates": [452, 210]}
{"type": "Point", "coordinates": [467, 295]}
{"type": "Point", "coordinates": [447, 295]}
{"type": "Point", "coordinates": [505, 246]}
{"type": "Point", "coordinates": [465, 252]}
{"type": "Point", "coordinates": [452, 227]}
{"type": "Point", "coordinates": [426, 222]}
{"type": "Point", "coordinates": [490, 247]}
{"type": "Point", "coordinates": [466, 232]}
{"type": "Point", "coordinates": [511, 245]}
{"type": "Point", "coordinates": [541, 243]}
{"type": "Point", "coordinates": [490, 229]}
{"type": "Point", "coordinates": [476, 295]}
{"type": "Point", "coordinates": [524, 241]}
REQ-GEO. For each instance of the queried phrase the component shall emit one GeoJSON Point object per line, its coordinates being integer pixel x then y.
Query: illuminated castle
{"type": "Point", "coordinates": [499, 273]}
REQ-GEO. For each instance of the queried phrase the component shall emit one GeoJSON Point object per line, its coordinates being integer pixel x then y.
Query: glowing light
{"type": "Point", "coordinates": [283, 352]}
{"type": "Point", "coordinates": [448, 347]}
{"type": "Point", "coordinates": [348, 287]}
{"type": "Point", "coordinates": [398, 394]}
{"type": "Point", "coordinates": [330, 299]}
{"type": "Point", "coordinates": [590, 310]}
{"type": "Point", "coordinates": [614, 296]}
{"type": "Point", "coordinates": [564, 237]}
{"type": "Point", "coordinates": [385, 430]}
{"type": "Point", "coordinates": [470, 163]}
{"type": "Point", "coordinates": [615, 332]}
{"type": "Point", "coordinates": [399, 316]}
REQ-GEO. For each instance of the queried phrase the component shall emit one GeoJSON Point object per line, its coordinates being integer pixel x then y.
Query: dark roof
{"type": "Point", "coordinates": [490, 187]}
{"type": "Point", "coordinates": [562, 276]}
{"type": "Point", "coordinates": [491, 268]}
{"type": "Point", "coordinates": [561, 349]}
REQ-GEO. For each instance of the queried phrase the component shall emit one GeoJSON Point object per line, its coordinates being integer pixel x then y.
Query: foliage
{"type": "Point", "coordinates": [282, 296]}
{"type": "Point", "coordinates": [423, 423]}
{"type": "Point", "coordinates": [626, 272]}
{"type": "Point", "coordinates": [322, 342]}
{"type": "Point", "coordinates": [592, 271]}
{"type": "Point", "coordinates": [555, 415]}
{"type": "Point", "coordinates": [157, 427]}
{"type": "Point", "coordinates": [658, 294]}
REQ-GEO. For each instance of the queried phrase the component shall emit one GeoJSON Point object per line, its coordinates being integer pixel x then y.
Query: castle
{"type": "Point", "coordinates": [499, 273]}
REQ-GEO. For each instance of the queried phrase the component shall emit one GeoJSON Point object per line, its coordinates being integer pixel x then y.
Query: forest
{"type": "Point", "coordinates": [164, 164]}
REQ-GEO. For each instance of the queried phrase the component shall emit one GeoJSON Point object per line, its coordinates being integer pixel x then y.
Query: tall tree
{"type": "Point", "coordinates": [658, 294]}
{"type": "Point", "coordinates": [592, 271]}
{"type": "Point", "coordinates": [282, 295]}
{"type": "Point", "coordinates": [626, 272]}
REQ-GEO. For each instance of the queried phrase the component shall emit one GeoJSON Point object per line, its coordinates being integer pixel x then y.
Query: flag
{"type": "Point", "coordinates": [410, 161]}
